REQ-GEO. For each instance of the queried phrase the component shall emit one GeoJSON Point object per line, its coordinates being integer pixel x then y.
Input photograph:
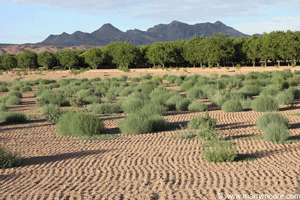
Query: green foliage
{"type": "Point", "coordinates": [208, 134]}
{"type": "Point", "coordinates": [178, 82]}
{"type": "Point", "coordinates": [264, 104]}
{"type": "Point", "coordinates": [13, 118]}
{"type": "Point", "coordinates": [173, 101]}
{"type": "Point", "coordinates": [105, 108]}
{"type": "Point", "coordinates": [202, 122]}
{"type": "Point", "coordinates": [195, 93]}
{"type": "Point", "coordinates": [271, 90]}
{"type": "Point", "coordinates": [47, 59]}
{"type": "Point", "coordinates": [25, 88]}
{"type": "Point", "coordinates": [251, 90]}
{"type": "Point", "coordinates": [3, 88]}
{"type": "Point", "coordinates": [28, 59]}
{"type": "Point", "coordinates": [140, 123]}
{"type": "Point", "coordinates": [135, 79]}
{"type": "Point", "coordinates": [186, 85]}
{"type": "Point", "coordinates": [276, 133]}
{"type": "Point", "coordinates": [183, 105]}
{"type": "Point", "coordinates": [218, 99]}
{"type": "Point", "coordinates": [3, 107]}
{"type": "Point", "coordinates": [232, 105]}
{"type": "Point", "coordinates": [8, 61]}
{"type": "Point", "coordinates": [268, 118]}
{"type": "Point", "coordinates": [152, 108]}
{"type": "Point", "coordinates": [221, 153]}
{"type": "Point", "coordinates": [197, 106]}
{"type": "Point", "coordinates": [94, 57]}
{"type": "Point", "coordinates": [15, 93]}
{"type": "Point", "coordinates": [13, 100]}
{"type": "Point", "coordinates": [285, 97]}
{"type": "Point", "coordinates": [52, 112]}
{"type": "Point", "coordinates": [132, 104]}
{"type": "Point", "coordinates": [69, 58]}
{"type": "Point", "coordinates": [50, 97]}
{"type": "Point", "coordinates": [8, 160]}
{"type": "Point", "coordinates": [79, 124]}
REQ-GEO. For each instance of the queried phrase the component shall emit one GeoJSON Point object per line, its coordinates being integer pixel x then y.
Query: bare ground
{"type": "Point", "coordinates": [149, 166]}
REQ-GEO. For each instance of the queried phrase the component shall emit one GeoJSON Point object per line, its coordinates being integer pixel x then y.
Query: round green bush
{"type": "Point", "coordinates": [172, 78]}
{"type": "Point", "coordinates": [15, 93]}
{"type": "Point", "coordinates": [79, 124]}
{"type": "Point", "coordinates": [49, 97]}
{"type": "Point", "coordinates": [295, 91]}
{"type": "Point", "coordinates": [264, 104]}
{"type": "Point", "coordinates": [105, 108]}
{"type": "Point", "coordinates": [15, 87]}
{"type": "Point", "coordinates": [131, 104]}
{"type": "Point", "coordinates": [84, 93]}
{"type": "Point", "coordinates": [8, 160]}
{"type": "Point", "coordinates": [13, 100]}
{"type": "Point", "coordinates": [267, 118]}
{"type": "Point", "coordinates": [220, 154]}
{"type": "Point", "coordinates": [135, 79]}
{"type": "Point", "coordinates": [13, 117]}
{"type": "Point", "coordinates": [276, 133]}
{"type": "Point", "coordinates": [25, 88]}
{"type": "Point", "coordinates": [3, 107]}
{"type": "Point", "coordinates": [172, 101]}
{"type": "Point", "coordinates": [186, 85]}
{"type": "Point", "coordinates": [232, 105]}
{"type": "Point", "coordinates": [285, 97]}
{"type": "Point", "coordinates": [148, 88]}
{"type": "Point", "coordinates": [195, 93]}
{"type": "Point", "coordinates": [183, 105]}
{"type": "Point", "coordinates": [3, 88]}
{"type": "Point", "coordinates": [197, 106]}
{"type": "Point", "coordinates": [154, 109]}
{"type": "Point", "coordinates": [218, 99]}
{"type": "Point", "coordinates": [52, 112]}
{"type": "Point", "coordinates": [250, 90]}
{"type": "Point", "coordinates": [178, 82]}
{"type": "Point", "coordinates": [140, 123]}
{"type": "Point", "coordinates": [202, 122]}
{"type": "Point", "coordinates": [270, 90]}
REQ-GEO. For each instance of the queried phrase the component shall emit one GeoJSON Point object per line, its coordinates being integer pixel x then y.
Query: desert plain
{"type": "Point", "coordinates": [146, 166]}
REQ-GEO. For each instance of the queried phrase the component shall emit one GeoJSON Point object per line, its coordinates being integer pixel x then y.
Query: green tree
{"type": "Point", "coordinates": [161, 53]}
{"type": "Point", "coordinates": [47, 59]}
{"type": "Point", "coordinates": [9, 61]}
{"type": "Point", "coordinates": [94, 57]}
{"type": "Point", "coordinates": [253, 48]}
{"type": "Point", "coordinates": [28, 59]}
{"type": "Point", "coordinates": [69, 58]}
{"type": "Point", "coordinates": [125, 54]}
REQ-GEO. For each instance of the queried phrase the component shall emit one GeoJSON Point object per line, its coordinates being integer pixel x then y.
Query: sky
{"type": "Point", "coordinates": [32, 21]}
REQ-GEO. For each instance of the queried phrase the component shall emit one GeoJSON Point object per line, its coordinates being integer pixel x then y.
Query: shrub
{"type": "Point", "coordinates": [295, 91]}
{"type": "Point", "coordinates": [3, 107]}
{"type": "Point", "coordinates": [84, 93]}
{"type": "Point", "coordinates": [172, 78]}
{"type": "Point", "coordinates": [195, 93]}
{"type": "Point", "coordinates": [79, 124]}
{"type": "Point", "coordinates": [135, 79]}
{"type": "Point", "coordinates": [285, 97]}
{"type": "Point", "coordinates": [264, 104]}
{"type": "Point", "coordinates": [15, 93]}
{"type": "Point", "coordinates": [16, 86]}
{"type": "Point", "coordinates": [157, 80]}
{"type": "Point", "coordinates": [148, 88]}
{"type": "Point", "coordinates": [49, 97]}
{"type": "Point", "coordinates": [13, 118]}
{"type": "Point", "coordinates": [140, 123]}
{"type": "Point", "coordinates": [232, 105]}
{"type": "Point", "coordinates": [270, 90]}
{"type": "Point", "coordinates": [8, 160]}
{"type": "Point", "coordinates": [246, 103]}
{"type": "Point", "coordinates": [186, 85]}
{"type": "Point", "coordinates": [178, 82]}
{"type": "Point", "coordinates": [276, 133]}
{"type": "Point", "coordinates": [251, 90]}
{"type": "Point", "coordinates": [220, 153]}
{"type": "Point", "coordinates": [172, 101]}
{"type": "Point", "coordinates": [197, 106]}
{"type": "Point", "coordinates": [154, 109]}
{"type": "Point", "coordinates": [13, 100]}
{"type": "Point", "coordinates": [25, 88]}
{"type": "Point", "coordinates": [105, 108]}
{"type": "Point", "coordinates": [52, 112]}
{"type": "Point", "coordinates": [267, 118]}
{"type": "Point", "coordinates": [3, 88]}
{"type": "Point", "coordinates": [202, 122]}
{"type": "Point", "coordinates": [131, 104]}
{"type": "Point", "coordinates": [208, 134]}
{"type": "Point", "coordinates": [218, 99]}
{"type": "Point", "coordinates": [183, 105]}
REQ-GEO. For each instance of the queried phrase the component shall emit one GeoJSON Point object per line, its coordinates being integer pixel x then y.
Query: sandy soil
{"type": "Point", "coordinates": [149, 166]}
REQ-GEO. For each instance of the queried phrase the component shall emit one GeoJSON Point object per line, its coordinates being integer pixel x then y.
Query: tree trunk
{"type": "Point", "coordinates": [163, 65]}
{"type": "Point", "coordinates": [232, 64]}
{"type": "Point", "coordinates": [254, 63]}
{"type": "Point", "coordinates": [194, 65]}
{"type": "Point", "coordinates": [265, 63]}
{"type": "Point", "coordinates": [201, 64]}
{"type": "Point", "coordinates": [278, 61]}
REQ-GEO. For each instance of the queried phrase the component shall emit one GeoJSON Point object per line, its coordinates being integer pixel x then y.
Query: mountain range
{"type": "Point", "coordinates": [159, 33]}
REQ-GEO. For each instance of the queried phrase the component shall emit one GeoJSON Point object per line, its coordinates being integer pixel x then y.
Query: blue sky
{"type": "Point", "coordinates": [31, 21]}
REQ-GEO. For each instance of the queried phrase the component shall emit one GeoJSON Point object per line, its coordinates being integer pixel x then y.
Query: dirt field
{"type": "Point", "coordinates": [149, 166]}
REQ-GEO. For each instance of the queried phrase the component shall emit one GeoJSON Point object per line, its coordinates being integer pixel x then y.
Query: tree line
{"type": "Point", "coordinates": [218, 50]}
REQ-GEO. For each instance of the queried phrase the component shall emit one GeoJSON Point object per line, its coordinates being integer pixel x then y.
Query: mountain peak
{"type": "Point", "coordinates": [218, 23]}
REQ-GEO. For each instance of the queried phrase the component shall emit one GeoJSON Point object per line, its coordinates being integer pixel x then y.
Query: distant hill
{"type": "Point", "coordinates": [159, 33]}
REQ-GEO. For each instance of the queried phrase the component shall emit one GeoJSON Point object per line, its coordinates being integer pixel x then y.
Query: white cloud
{"type": "Point", "coordinates": [278, 23]}
{"type": "Point", "coordinates": [166, 10]}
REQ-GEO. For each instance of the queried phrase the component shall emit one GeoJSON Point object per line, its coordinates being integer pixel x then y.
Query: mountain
{"type": "Point", "coordinates": [159, 33]}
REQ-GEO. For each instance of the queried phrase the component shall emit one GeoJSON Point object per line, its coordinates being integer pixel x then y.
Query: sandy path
{"type": "Point", "coordinates": [150, 166]}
